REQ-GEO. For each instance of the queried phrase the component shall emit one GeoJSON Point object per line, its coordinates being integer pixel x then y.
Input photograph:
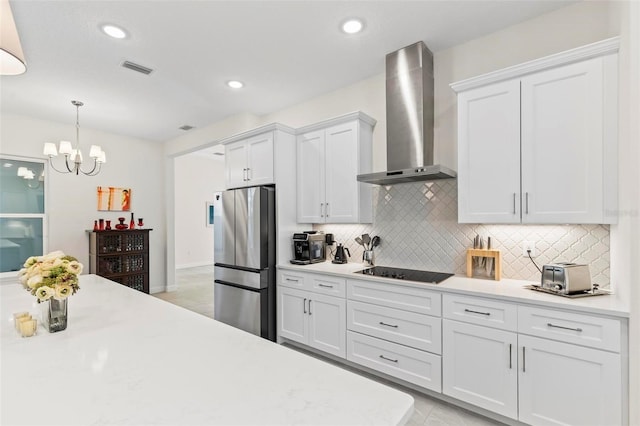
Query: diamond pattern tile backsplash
{"type": "Point", "coordinates": [418, 225]}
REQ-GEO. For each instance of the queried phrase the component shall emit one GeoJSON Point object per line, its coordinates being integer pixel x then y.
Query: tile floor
{"type": "Point", "coordinates": [195, 292]}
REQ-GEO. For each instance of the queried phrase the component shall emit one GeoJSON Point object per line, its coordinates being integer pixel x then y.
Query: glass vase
{"type": "Point", "coordinates": [54, 315]}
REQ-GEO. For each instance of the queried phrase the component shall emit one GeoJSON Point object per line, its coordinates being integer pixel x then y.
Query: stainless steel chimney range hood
{"type": "Point", "coordinates": [409, 94]}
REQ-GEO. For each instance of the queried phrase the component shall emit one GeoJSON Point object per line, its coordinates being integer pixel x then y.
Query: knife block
{"type": "Point", "coordinates": [493, 253]}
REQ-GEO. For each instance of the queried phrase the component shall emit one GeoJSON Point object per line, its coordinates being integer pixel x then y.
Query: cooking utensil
{"type": "Point", "coordinates": [375, 242]}
{"type": "Point", "coordinates": [359, 241]}
{"type": "Point", "coordinates": [366, 239]}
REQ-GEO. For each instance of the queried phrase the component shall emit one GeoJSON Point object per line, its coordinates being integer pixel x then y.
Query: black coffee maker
{"type": "Point", "coordinates": [341, 254]}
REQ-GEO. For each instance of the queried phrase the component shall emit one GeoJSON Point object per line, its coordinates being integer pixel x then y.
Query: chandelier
{"type": "Point", "coordinates": [73, 156]}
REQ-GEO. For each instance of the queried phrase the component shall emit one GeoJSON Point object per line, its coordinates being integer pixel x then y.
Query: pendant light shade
{"type": "Point", "coordinates": [11, 56]}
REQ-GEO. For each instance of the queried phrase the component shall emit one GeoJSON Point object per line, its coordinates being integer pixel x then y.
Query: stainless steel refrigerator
{"type": "Point", "coordinates": [245, 255]}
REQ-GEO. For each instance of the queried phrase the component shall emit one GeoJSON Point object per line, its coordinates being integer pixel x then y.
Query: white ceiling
{"type": "Point", "coordinates": [285, 52]}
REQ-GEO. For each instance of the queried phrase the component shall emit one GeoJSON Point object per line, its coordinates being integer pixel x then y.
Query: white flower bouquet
{"type": "Point", "coordinates": [52, 275]}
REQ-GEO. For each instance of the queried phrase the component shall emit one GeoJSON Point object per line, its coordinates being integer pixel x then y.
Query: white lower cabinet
{"type": "Point", "coordinates": [533, 364]}
{"type": "Point", "coordinates": [479, 366]}
{"type": "Point", "coordinates": [565, 384]}
{"type": "Point", "coordinates": [414, 366]}
{"type": "Point", "coordinates": [396, 330]}
{"type": "Point", "coordinates": [538, 381]}
{"type": "Point", "coordinates": [313, 319]}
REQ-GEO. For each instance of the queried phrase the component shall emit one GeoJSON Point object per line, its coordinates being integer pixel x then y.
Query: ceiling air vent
{"type": "Point", "coordinates": [137, 67]}
{"type": "Point", "coordinates": [186, 127]}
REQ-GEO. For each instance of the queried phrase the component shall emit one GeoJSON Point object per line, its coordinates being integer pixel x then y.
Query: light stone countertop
{"type": "Point", "coordinates": [127, 358]}
{"type": "Point", "coordinates": [505, 289]}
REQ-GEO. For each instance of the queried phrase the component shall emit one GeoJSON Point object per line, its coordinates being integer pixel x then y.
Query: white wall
{"type": "Point", "coordinates": [131, 162]}
{"type": "Point", "coordinates": [196, 179]}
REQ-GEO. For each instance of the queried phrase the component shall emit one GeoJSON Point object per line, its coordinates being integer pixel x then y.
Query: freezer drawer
{"type": "Point", "coordinates": [255, 280]}
{"type": "Point", "coordinates": [238, 307]}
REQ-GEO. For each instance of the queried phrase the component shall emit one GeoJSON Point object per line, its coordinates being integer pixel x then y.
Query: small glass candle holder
{"type": "Point", "coordinates": [17, 317]}
{"type": "Point", "coordinates": [28, 328]}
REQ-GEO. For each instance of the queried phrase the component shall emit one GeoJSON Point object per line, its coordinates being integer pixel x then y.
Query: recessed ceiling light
{"type": "Point", "coordinates": [235, 84]}
{"type": "Point", "coordinates": [113, 31]}
{"type": "Point", "coordinates": [8, 165]}
{"type": "Point", "coordinates": [352, 26]}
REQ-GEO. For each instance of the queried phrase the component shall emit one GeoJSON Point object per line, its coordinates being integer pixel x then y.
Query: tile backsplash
{"type": "Point", "coordinates": [418, 225]}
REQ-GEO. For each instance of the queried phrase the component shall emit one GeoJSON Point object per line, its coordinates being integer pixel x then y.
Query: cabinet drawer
{"type": "Point", "coordinates": [407, 328]}
{"type": "Point", "coordinates": [411, 365]}
{"type": "Point", "coordinates": [570, 327]}
{"type": "Point", "coordinates": [327, 284]}
{"type": "Point", "coordinates": [475, 310]}
{"type": "Point", "coordinates": [292, 280]}
{"type": "Point", "coordinates": [395, 296]}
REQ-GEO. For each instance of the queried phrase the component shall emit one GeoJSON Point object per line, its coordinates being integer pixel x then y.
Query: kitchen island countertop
{"type": "Point", "coordinates": [127, 358]}
{"type": "Point", "coordinates": [505, 289]}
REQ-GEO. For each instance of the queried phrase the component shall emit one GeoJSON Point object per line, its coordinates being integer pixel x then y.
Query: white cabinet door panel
{"type": "Point", "coordinates": [311, 178]}
{"type": "Point", "coordinates": [564, 384]}
{"type": "Point", "coordinates": [292, 318]}
{"type": "Point", "coordinates": [489, 154]}
{"type": "Point", "coordinates": [479, 366]}
{"type": "Point", "coordinates": [562, 144]}
{"type": "Point", "coordinates": [327, 324]}
{"type": "Point", "coordinates": [260, 160]}
{"type": "Point", "coordinates": [341, 164]}
{"type": "Point", "coordinates": [235, 164]}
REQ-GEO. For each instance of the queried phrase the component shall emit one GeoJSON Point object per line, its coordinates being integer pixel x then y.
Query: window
{"type": "Point", "coordinates": [22, 212]}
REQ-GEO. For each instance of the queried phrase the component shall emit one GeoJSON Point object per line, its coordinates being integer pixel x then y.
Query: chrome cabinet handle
{"type": "Point", "coordinates": [388, 325]}
{"type": "Point", "coordinates": [388, 359]}
{"type": "Point", "coordinates": [304, 306]}
{"type": "Point", "coordinates": [514, 203]}
{"type": "Point", "coordinates": [291, 279]}
{"type": "Point", "coordinates": [527, 202]}
{"type": "Point", "coordinates": [325, 286]}
{"type": "Point", "coordinates": [578, 329]}
{"type": "Point", "coordinates": [326, 209]}
{"type": "Point", "coordinates": [309, 306]}
{"type": "Point", "coordinates": [244, 175]}
{"type": "Point", "coordinates": [477, 312]}
{"type": "Point", "coordinates": [321, 211]}
{"type": "Point", "coordinates": [510, 357]}
{"type": "Point", "coordinates": [248, 176]}
{"type": "Point", "coordinates": [524, 370]}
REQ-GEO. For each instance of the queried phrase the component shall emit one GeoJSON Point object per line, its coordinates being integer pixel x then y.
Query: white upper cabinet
{"type": "Point", "coordinates": [330, 155]}
{"type": "Point", "coordinates": [310, 172]}
{"type": "Point", "coordinates": [260, 157]}
{"type": "Point", "coordinates": [489, 154]}
{"type": "Point", "coordinates": [537, 143]}
{"type": "Point", "coordinates": [563, 145]}
{"type": "Point", "coordinates": [249, 162]}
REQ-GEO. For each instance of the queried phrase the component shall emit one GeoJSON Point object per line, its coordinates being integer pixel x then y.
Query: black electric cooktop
{"type": "Point", "coordinates": [406, 274]}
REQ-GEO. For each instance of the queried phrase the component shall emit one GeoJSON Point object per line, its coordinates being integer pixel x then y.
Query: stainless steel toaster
{"type": "Point", "coordinates": [566, 278]}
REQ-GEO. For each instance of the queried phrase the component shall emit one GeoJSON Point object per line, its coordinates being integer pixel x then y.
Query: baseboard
{"type": "Point", "coordinates": [194, 264]}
